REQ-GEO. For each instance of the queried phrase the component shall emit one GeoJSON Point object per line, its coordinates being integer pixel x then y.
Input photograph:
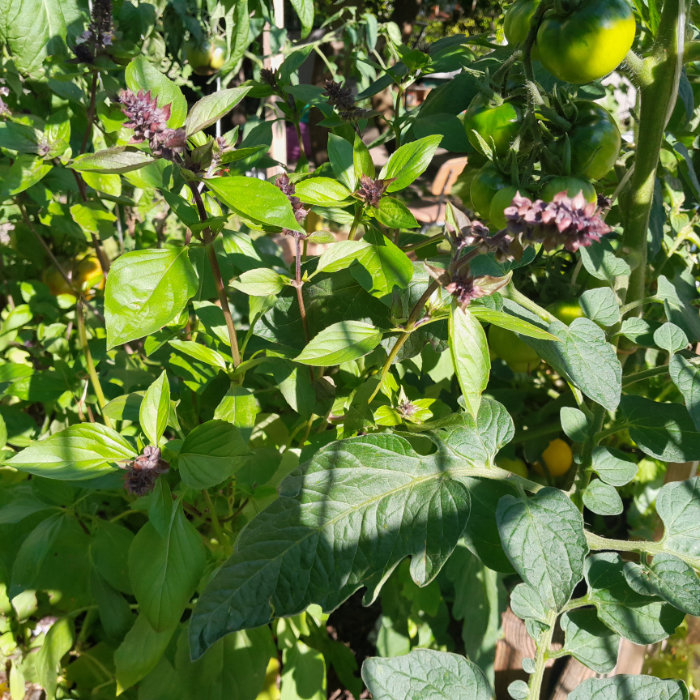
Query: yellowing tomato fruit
{"type": "Point", "coordinates": [588, 42]}
{"type": "Point", "coordinates": [557, 458]}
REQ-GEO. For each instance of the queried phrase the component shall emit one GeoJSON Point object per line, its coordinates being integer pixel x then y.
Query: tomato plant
{"type": "Point", "coordinates": [269, 430]}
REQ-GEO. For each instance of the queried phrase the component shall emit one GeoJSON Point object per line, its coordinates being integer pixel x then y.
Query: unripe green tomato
{"type": "Point", "coordinates": [485, 184]}
{"type": "Point", "coordinates": [518, 355]}
{"type": "Point", "coordinates": [207, 58]}
{"type": "Point", "coordinates": [516, 22]}
{"type": "Point", "coordinates": [500, 123]}
{"type": "Point", "coordinates": [566, 310]}
{"type": "Point", "coordinates": [595, 141]}
{"type": "Point", "coordinates": [587, 42]}
{"type": "Point", "coordinates": [571, 185]}
{"type": "Point", "coordinates": [514, 465]}
{"type": "Point", "coordinates": [499, 202]}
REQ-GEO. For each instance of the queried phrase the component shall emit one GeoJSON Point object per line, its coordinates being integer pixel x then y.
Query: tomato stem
{"type": "Point", "coordinates": [657, 101]}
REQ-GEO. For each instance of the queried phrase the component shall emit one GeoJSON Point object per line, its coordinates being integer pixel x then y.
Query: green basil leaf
{"type": "Point", "coordinates": [211, 108]}
{"type": "Point", "coordinates": [470, 355]}
{"type": "Point", "coordinates": [119, 159]}
{"type": "Point", "coordinates": [258, 200]}
{"type": "Point", "coordinates": [340, 342]}
{"type": "Point", "coordinates": [321, 191]}
{"type": "Point", "coordinates": [409, 162]}
{"type": "Point", "coordinates": [146, 290]}
{"type": "Point", "coordinates": [155, 409]}
{"type": "Point", "coordinates": [211, 453]}
{"type": "Point", "coordinates": [79, 452]}
{"type": "Point", "coordinates": [165, 569]}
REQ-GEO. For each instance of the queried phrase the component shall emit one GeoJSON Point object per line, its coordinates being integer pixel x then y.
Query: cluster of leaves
{"type": "Point", "coordinates": [241, 440]}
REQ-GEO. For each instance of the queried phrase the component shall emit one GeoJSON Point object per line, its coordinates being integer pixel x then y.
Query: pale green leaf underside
{"type": "Point", "coordinates": [354, 512]}
{"type": "Point", "coordinates": [625, 687]}
{"type": "Point", "coordinates": [425, 674]}
{"type": "Point", "coordinates": [544, 540]}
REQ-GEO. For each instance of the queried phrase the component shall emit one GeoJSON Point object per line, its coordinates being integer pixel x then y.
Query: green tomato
{"type": "Point", "coordinates": [516, 22]}
{"type": "Point", "coordinates": [571, 185]}
{"type": "Point", "coordinates": [517, 354]}
{"type": "Point", "coordinates": [588, 42]}
{"type": "Point", "coordinates": [485, 184]}
{"type": "Point", "coordinates": [500, 123]}
{"type": "Point", "coordinates": [499, 202]}
{"type": "Point", "coordinates": [514, 465]}
{"type": "Point", "coordinates": [566, 310]}
{"type": "Point", "coordinates": [595, 141]}
{"type": "Point", "coordinates": [207, 58]}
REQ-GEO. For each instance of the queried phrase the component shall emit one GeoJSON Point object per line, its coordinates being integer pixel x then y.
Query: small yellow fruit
{"type": "Point", "coordinates": [557, 458]}
{"type": "Point", "coordinates": [513, 464]}
{"type": "Point", "coordinates": [270, 690]}
{"type": "Point", "coordinates": [88, 273]}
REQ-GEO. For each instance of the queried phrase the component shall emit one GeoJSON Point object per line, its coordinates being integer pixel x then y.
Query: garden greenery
{"type": "Point", "coordinates": [219, 419]}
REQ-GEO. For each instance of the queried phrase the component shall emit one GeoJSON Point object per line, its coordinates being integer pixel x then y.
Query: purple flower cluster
{"type": "Point", "coordinates": [465, 288]}
{"type": "Point", "coordinates": [287, 186]}
{"type": "Point", "coordinates": [371, 191]}
{"type": "Point", "coordinates": [144, 470]}
{"type": "Point", "coordinates": [99, 33]}
{"type": "Point", "coordinates": [341, 98]}
{"type": "Point", "coordinates": [567, 221]}
{"type": "Point", "coordinates": [150, 123]}
{"type": "Point", "coordinates": [4, 109]}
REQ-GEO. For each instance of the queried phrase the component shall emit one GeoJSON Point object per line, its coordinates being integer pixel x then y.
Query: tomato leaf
{"type": "Point", "coordinates": [544, 540]}
{"type": "Point", "coordinates": [589, 641]}
{"type": "Point", "coordinates": [637, 687]}
{"type": "Point", "coordinates": [377, 497]}
{"type": "Point", "coordinates": [640, 619]}
{"type": "Point", "coordinates": [439, 675]}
